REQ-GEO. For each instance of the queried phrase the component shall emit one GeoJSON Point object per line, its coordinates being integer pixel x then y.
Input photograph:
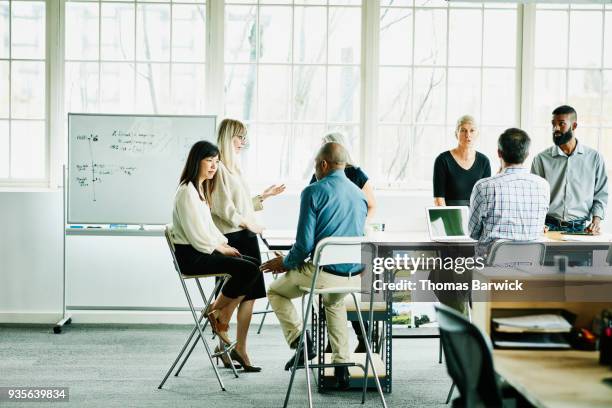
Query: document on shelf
{"type": "Point", "coordinates": [587, 238]}
{"type": "Point", "coordinates": [533, 323]}
{"type": "Point", "coordinates": [528, 344]}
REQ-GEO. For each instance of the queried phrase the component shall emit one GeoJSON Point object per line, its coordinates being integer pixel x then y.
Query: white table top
{"type": "Point", "coordinates": [288, 235]}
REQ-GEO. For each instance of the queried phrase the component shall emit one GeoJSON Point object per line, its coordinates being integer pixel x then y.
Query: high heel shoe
{"type": "Point", "coordinates": [218, 328]}
{"type": "Point", "coordinates": [247, 368]}
{"type": "Point", "coordinates": [227, 363]}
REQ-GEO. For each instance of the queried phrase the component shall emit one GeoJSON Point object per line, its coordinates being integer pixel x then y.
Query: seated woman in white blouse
{"type": "Point", "coordinates": [202, 249]}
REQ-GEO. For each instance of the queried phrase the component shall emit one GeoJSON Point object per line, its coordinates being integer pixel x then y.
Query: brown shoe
{"type": "Point", "coordinates": [219, 328]}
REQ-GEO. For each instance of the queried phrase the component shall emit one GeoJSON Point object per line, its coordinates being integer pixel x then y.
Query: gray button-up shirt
{"type": "Point", "coordinates": [578, 183]}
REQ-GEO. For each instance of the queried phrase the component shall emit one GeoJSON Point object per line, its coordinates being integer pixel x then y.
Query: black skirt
{"type": "Point", "coordinates": [244, 271]}
{"type": "Point", "coordinates": [246, 243]}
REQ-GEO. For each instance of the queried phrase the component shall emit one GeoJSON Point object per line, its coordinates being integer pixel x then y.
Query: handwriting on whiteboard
{"type": "Point", "coordinates": [91, 172]}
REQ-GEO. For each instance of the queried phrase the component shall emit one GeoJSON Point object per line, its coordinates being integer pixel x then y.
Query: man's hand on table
{"type": "Point", "coordinates": [594, 227]}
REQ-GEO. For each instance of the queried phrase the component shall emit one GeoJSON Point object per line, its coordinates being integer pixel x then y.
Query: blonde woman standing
{"type": "Point", "coordinates": [457, 170]}
{"type": "Point", "coordinates": [233, 210]}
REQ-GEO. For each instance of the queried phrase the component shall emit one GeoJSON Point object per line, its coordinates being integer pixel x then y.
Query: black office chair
{"type": "Point", "coordinates": [469, 362]}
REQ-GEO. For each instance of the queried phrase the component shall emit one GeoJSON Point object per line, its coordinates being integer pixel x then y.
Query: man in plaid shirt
{"type": "Point", "coordinates": [512, 204]}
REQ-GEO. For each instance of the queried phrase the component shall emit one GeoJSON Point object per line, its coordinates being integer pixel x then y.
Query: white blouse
{"type": "Point", "coordinates": [192, 223]}
{"type": "Point", "coordinates": [232, 203]}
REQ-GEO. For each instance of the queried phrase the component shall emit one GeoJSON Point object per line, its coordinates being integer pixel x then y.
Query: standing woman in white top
{"type": "Point", "coordinates": [233, 210]}
{"type": "Point", "coordinates": [202, 249]}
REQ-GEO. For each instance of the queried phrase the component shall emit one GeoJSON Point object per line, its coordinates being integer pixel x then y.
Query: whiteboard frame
{"type": "Point", "coordinates": [67, 182]}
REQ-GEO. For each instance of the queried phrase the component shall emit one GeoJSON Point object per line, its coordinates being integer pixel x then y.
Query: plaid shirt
{"type": "Point", "coordinates": [510, 205]}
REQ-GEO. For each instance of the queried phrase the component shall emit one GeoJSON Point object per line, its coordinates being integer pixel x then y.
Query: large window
{"type": "Point", "coordinates": [135, 56]}
{"type": "Point", "coordinates": [573, 65]}
{"type": "Point", "coordinates": [292, 73]}
{"type": "Point", "coordinates": [437, 63]}
{"type": "Point", "coordinates": [392, 75]}
{"type": "Point", "coordinates": [23, 136]}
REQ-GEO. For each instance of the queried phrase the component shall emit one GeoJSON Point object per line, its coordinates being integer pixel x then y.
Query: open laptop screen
{"type": "Point", "coordinates": [447, 222]}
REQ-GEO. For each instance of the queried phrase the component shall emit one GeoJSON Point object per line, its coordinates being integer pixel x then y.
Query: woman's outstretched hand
{"type": "Point", "coordinates": [272, 191]}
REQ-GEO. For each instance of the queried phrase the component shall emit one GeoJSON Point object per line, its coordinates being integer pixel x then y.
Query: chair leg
{"type": "Point", "coordinates": [294, 369]}
{"type": "Point", "coordinates": [195, 319]}
{"type": "Point", "coordinates": [226, 351]}
{"type": "Point", "coordinates": [178, 371]}
{"type": "Point", "coordinates": [439, 350]}
{"type": "Point", "coordinates": [178, 358]}
{"type": "Point", "coordinates": [306, 368]}
{"type": "Point", "coordinates": [206, 303]}
{"type": "Point", "coordinates": [365, 375]}
{"type": "Point", "coordinates": [263, 319]}
{"type": "Point", "coordinates": [450, 393]}
{"type": "Point", "coordinates": [369, 354]}
{"type": "Point", "coordinates": [301, 343]}
{"type": "Point", "coordinates": [219, 285]}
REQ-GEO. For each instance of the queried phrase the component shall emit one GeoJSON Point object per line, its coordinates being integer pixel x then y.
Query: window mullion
{"type": "Point", "coordinates": [170, 108]}
{"type": "Point", "coordinates": [527, 63]}
{"type": "Point", "coordinates": [370, 33]}
{"type": "Point", "coordinates": [10, 89]}
{"type": "Point", "coordinates": [567, 54]}
{"type": "Point", "coordinates": [55, 109]}
{"type": "Point", "coordinates": [214, 77]}
{"type": "Point", "coordinates": [601, 73]}
{"type": "Point", "coordinates": [482, 34]}
{"type": "Point", "coordinates": [446, 66]}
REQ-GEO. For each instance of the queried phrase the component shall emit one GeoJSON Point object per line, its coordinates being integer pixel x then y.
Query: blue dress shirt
{"type": "Point", "coordinates": [331, 207]}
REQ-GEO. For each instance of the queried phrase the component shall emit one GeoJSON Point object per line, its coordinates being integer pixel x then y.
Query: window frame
{"type": "Point", "coordinates": [49, 179]}
{"type": "Point", "coordinates": [55, 131]}
{"type": "Point", "coordinates": [290, 122]}
{"type": "Point", "coordinates": [425, 186]}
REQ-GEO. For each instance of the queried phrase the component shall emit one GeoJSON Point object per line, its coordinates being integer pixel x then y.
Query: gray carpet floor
{"type": "Point", "coordinates": [122, 365]}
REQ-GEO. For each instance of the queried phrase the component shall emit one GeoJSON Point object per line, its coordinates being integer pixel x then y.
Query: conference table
{"type": "Point", "coordinates": [282, 239]}
{"type": "Point", "coordinates": [545, 378]}
{"type": "Point", "coordinates": [556, 378]}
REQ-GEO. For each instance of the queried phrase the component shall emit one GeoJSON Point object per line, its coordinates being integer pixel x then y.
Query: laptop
{"type": "Point", "coordinates": [448, 224]}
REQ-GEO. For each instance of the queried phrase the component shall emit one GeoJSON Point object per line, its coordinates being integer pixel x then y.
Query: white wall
{"type": "Point", "coordinates": [124, 272]}
{"type": "Point", "coordinates": [30, 256]}
{"type": "Point", "coordinates": [130, 272]}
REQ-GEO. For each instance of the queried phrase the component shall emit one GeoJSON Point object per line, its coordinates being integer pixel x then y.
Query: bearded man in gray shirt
{"type": "Point", "coordinates": [577, 177]}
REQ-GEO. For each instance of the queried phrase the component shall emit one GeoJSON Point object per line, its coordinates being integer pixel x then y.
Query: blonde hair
{"type": "Point", "coordinates": [228, 128]}
{"type": "Point", "coordinates": [337, 137]}
{"type": "Point", "coordinates": [465, 119]}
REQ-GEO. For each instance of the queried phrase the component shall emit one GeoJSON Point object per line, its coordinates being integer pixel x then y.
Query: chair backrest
{"type": "Point", "coordinates": [337, 250]}
{"type": "Point", "coordinates": [168, 235]}
{"type": "Point", "coordinates": [469, 359]}
{"type": "Point", "coordinates": [609, 256]}
{"type": "Point", "coordinates": [525, 254]}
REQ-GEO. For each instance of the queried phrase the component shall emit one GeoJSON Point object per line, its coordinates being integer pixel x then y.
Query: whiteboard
{"type": "Point", "coordinates": [124, 169]}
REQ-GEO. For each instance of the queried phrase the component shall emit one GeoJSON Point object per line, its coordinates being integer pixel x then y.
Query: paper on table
{"type": "Point", "coordinates": [541, 321]}
{"type": "Point", "coordinates": [531, 344]}
{"type": "Point", "coordinates": [513, 329]}
{"type": "Point", "coordinates": [587, 238]}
